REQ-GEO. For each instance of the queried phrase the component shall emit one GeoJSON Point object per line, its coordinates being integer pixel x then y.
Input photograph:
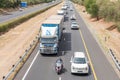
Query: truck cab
{"type": "Point", "coordinates": [49, 41]}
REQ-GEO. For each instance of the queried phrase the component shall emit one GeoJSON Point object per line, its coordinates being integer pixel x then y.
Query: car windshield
{"type": "Point", "coordinates": [74, 23]}
{"type": "Point", "coordinates": [59, 61]}
{"type": "Point", "coordinates": [79, 60]}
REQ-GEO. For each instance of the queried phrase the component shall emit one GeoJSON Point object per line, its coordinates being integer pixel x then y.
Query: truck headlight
{"type": "Point", "coordinates": [41, 45]}
{"type": "Point", "coordinates": [55, 46]}
{"type": "Point", "coordinates": [73, 68]}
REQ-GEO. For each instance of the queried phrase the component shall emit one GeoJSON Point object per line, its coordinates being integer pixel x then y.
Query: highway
{"type": "Point", "coordinates": [39, 67]}
{"type": "Point", "coordinates": [16, 14]}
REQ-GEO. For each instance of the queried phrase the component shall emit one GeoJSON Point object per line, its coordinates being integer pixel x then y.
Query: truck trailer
{"type": "Point", "coordinates": [51, 34]}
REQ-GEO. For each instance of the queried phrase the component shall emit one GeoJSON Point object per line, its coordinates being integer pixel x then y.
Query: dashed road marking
{"type": "Point", "coordinates": [60, 78]}
{"type": "Point", "coordinates": [64, 39]}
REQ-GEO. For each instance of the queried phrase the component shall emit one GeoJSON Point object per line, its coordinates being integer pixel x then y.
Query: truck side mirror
{"type": "Point", "coordinates": [71, 59]}
{"type": "Point", "coordinates": [64, 28]}
{"type": "Point", "coordinates": [88, 62]}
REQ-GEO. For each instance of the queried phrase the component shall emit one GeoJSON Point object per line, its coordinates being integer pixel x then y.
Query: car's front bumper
{"type": "Point", "coordinates": [82, 71]}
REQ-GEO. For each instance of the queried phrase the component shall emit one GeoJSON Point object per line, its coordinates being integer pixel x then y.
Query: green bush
{"type": "Point", "coordinates": [108, 11]}
{"type": "Point", "coordinates": [94, 10]}
{"type": "Point", "coordinates": [118, 26]}
{"type": "Point", "coordinates": [88, 3]}
{"type": "Point", "coordinates": [78, 1]}
{"type": "Point", "coordinates": [5, 3]}
{"type": "Point", "coordinates": [3, 28]}
{"type": "Point", "coordinates": [8, 25]}
{"type": "Point", "coordinates": [16, 3]}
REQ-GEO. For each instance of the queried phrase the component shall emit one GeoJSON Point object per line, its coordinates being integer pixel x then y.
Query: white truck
{"type": "Point", "coordinates": [51, 32]}
{"type": "Point", "coordinates": [61, 12]}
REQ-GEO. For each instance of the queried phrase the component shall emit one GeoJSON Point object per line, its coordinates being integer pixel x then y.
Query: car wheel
{"type": "Point", "coordinates": [71, 73]}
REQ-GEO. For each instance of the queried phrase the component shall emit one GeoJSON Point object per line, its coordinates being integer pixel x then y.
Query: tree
{"type": "Point", "coordinates": [5, 3]}
{"type": "Point", "coordinates": [87, 4]}
{"type": "Point", "coordinates": [94, 9]}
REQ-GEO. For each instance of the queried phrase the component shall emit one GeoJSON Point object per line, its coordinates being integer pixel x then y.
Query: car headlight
{"type": "Point", "coordinates": [73, 67]}
{"type": "Point", "coordinates": [86, 68]}
{"type": "Point", "coordinates": [55, 45]}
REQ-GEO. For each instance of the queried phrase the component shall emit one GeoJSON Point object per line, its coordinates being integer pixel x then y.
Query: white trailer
{"type": "Point", "coordinates": [51, 32]}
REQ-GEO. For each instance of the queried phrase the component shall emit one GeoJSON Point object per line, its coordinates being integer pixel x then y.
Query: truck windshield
{"type": "Point", "coordinates": [48, 40]}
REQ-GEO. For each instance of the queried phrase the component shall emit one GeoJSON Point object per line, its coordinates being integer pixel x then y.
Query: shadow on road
{"type": "Point", "coordinates": [49, 55]}
{"type": "Point", "coordinates": [66, 19]}
{"type": "Point", "coordinates": [65, 44]}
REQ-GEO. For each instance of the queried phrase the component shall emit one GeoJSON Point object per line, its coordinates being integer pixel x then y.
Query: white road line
{"type": "Point", "coordinates": [63, 52]}
{"type": "Point", "coordinates": [60, 78]}
{"type": "Point", "coordinates": [30, 65]}
{"type": "Point", "coordinates": [64, 39]}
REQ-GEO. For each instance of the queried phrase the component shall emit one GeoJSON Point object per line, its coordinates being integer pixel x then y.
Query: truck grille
{"type": "Point", "coordinates": [47, 50]}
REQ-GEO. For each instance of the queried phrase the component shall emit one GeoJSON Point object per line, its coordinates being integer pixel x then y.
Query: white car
{"type": "Point", "coordinates": [79, 63]}
{"type": "Point", "coordinates": [64, 7]}
{"type": "Point", "coordinates": [71, 9]}
{"type": "Point", "coordinates": [74, 25]}
{"type": "Point", "coordinates": [73, 17]}
{"type": "Point", "coordinates": [60, 12]}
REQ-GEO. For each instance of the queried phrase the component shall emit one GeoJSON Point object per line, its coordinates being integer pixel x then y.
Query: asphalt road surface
{"type": "Point", "coordinates": [13, 15]}
{"type": "Point", "coordinates": [40, 67]}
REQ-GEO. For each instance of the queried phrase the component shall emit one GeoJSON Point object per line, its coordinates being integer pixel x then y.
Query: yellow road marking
{"type": "Point", "coordinates": [95, 77]}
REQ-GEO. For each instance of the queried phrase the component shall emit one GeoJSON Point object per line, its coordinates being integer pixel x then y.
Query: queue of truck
{"type": "Point", "coordinates": [51, 33]}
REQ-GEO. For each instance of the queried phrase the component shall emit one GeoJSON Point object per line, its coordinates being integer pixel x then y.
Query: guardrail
{"type": "Point", "coordinates": [22, 60]}
{"type": "Point", "coordinates": [117, 63]}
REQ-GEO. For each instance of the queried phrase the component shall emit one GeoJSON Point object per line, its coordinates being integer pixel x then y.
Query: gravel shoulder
{"type": "Point", "coordinates": [14, 43]}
